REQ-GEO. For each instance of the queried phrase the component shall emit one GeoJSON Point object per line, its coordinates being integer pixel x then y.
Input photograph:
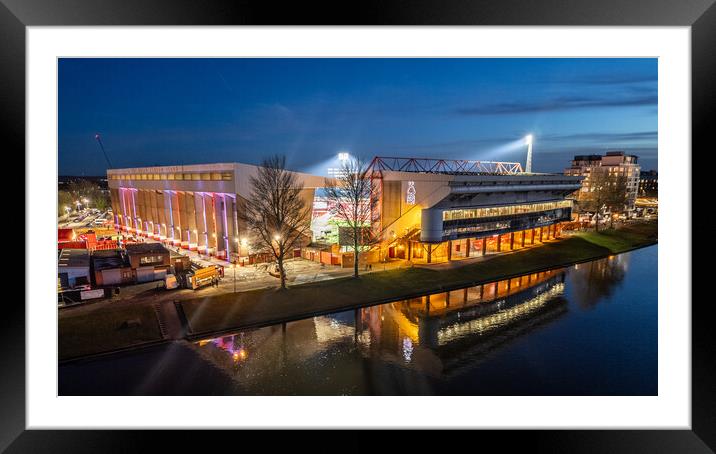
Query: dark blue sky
{"type": "Point", "coordinates": [190, 111]}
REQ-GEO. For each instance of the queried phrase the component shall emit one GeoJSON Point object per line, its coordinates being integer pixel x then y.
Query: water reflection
{"type": "Point", "coordinates": [595, 281]}
{"type": "Point", "coordinates": [435, 335]}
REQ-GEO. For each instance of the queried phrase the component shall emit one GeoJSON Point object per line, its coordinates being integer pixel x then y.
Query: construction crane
{"type": "Point", "coordinates": [99, 141]}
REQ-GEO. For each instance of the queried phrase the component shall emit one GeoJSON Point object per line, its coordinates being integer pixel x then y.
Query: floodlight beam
{"type": "Point", "coordinates": [528, 164]}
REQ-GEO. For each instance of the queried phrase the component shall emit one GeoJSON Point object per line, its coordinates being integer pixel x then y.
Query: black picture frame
{"type": "Point", "coordinates": [16, 15]}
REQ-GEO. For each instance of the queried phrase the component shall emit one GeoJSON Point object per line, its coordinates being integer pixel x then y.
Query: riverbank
{"type": "Point", "coordinates": [229, 312]}
{"type": "Point", "coordinates": [264, 307]}
{"type": "Point", "coordinates": [624, 238]}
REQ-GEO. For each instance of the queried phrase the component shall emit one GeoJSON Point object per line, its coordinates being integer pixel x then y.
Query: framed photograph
{"type": "Point", "coordinates": [428, 216]}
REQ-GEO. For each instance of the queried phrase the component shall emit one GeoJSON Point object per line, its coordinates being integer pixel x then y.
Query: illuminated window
{"type": "Point", "coordinates": [169, 176]}
{"type": "Point", "coordinates": [206, 176]}
{"type": "Point", "coordinates": [196, 176]}
{"type": "Point", "coordinates": [508, 210]}
{"type": "Point", "coordinates": [150, 259]}
{"type": "Point", "coordinates": [178, 176]}
{"type": "Point", "coordinates": [227, 176]}
{"type": "Point", "coordinates": [216, 176]}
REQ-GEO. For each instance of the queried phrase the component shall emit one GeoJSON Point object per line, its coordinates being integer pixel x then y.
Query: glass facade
{"type": "Point", "coordinates": [488, 212]}
{"type": "Point", "coordinates": [467, 227]}
{"type": "Point", "coordinates": [478, 228]}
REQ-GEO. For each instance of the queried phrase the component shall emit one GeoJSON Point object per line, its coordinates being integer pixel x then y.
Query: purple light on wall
{"type": "Point", "coordinates": [123, 194]}
{"type": "Point", "coordinates": [206, 228]}
{"type": "Point", "coordinates": [226, 229]}
{"type": "Point", "coordinates": [171, 214]}
{"type": "Point", "coordinates": [134, 203]}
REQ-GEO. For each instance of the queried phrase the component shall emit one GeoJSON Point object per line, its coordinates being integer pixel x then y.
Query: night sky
{"type": "Point", "coordinates": [192, 111]}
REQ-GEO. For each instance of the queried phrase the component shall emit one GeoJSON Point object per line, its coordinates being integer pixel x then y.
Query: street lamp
{"type": "Point", "coordinates": [233, 265]}
{"type": "Point", "coordinates": [528, 141]}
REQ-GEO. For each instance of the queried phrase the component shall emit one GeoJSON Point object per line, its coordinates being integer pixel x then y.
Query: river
{"type": "Point", "coordinates": [588, 329]}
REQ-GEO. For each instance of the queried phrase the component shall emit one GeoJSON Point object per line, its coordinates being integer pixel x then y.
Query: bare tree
{"type": "Point", "coordinates": [351, 199]}
{"type": "Point", "coordinates": [275, 215]}
{"type": "Point", "coordinates": [594, 200]}
{"type": "Point", "coordinates": [616, 195]}
{"type": "Point", "coordinates": [606, 191]}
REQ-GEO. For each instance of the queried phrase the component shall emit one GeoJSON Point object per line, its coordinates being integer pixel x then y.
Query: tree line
{"type": "Point", "coordinates": [79, 190]}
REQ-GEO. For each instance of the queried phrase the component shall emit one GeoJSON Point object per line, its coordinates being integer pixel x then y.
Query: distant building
{"type": "Point", "coordinates": [616, 163]}
{"type": "Point", "coordinates": [64, 180]}
{"type": "Point", "coordinates": [648, 184]}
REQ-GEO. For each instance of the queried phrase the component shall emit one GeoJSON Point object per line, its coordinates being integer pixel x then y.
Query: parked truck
{"type": "Point", "coordinates": [197, 278]}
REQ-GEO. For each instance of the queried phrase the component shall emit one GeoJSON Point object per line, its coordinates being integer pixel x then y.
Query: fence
{"type": "Point", "coordinates": [90, 246]}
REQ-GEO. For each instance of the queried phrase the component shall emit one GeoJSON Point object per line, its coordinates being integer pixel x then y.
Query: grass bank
{"type": "Point", "coordinates": [260, 307]}
{"type": "Point", "coordinates": [106, 330]}
{"type": "Point", "coordinates": [625, 238]}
